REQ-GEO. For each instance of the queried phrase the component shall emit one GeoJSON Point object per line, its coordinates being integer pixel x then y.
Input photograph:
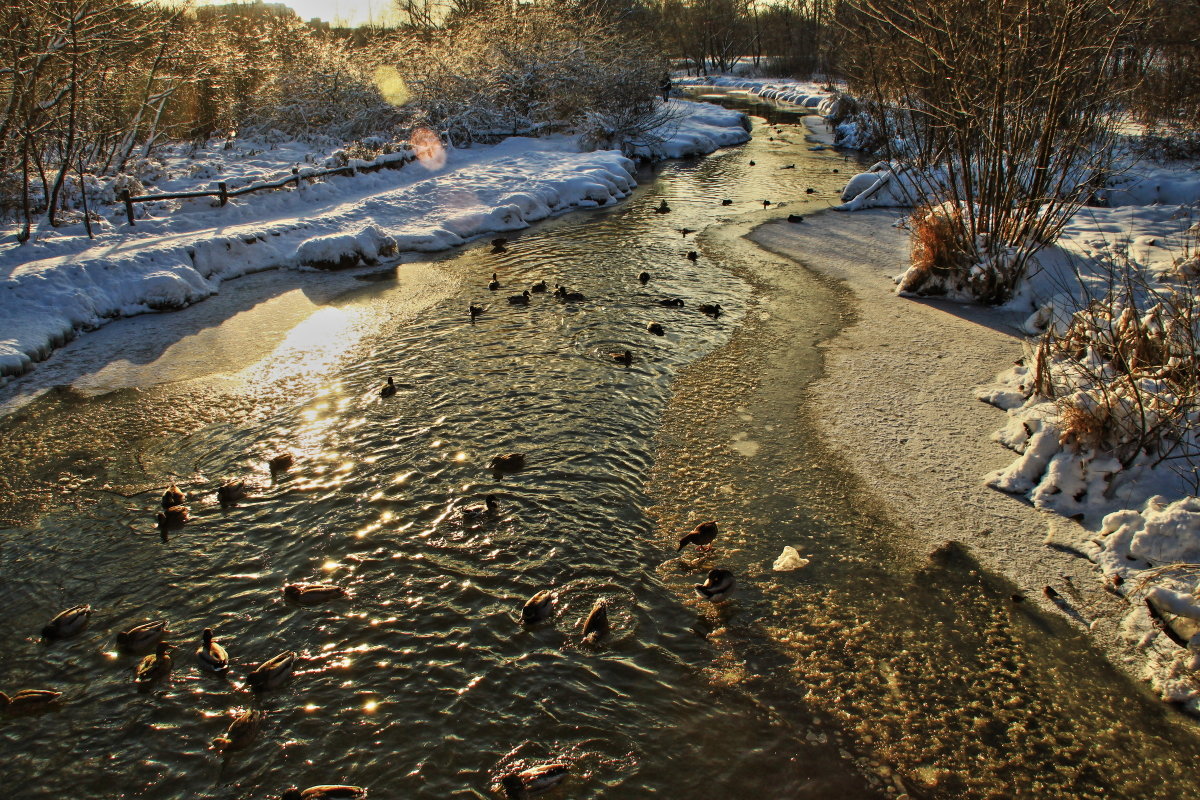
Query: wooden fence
{"type": "Point", "coordinates": [223, 192]}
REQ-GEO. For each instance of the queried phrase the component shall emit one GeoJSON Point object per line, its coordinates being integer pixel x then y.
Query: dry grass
{"type": "Point", "coordinates": [937, 254]}
{"type": "Point", "coordinates": [1083, 425]}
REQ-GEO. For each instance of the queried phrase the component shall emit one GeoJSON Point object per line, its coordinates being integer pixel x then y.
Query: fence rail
{"type": "Point", "coordinates": [387, 161]}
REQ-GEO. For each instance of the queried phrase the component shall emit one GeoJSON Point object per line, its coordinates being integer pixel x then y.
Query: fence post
{"type": "Point", "coordinates": [224, 192]}
{"type": "Point", "coordinates": [128, 205]}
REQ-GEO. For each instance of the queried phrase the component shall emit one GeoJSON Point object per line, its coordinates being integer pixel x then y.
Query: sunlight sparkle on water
{"type": "Point", "coordinates": [370, 706]}
{"type": "Point", "coordinates": [313, 345]}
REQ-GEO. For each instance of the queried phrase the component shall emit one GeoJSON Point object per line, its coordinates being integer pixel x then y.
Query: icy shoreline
{"type": "Point", "coordinates": [62, 284]}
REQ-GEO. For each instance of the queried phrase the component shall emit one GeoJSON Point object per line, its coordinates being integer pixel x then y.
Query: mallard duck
{"type": "Point", "coordinates": [325, 793]}
{"type": "Point", "coordinates": [242, 730]}
{"type": "Point", "coordinates": [211, 655]}
{"type": "Point", "coordinates": [67, 623]}
{"type": "Point", "coordinates": [727, 201]}
{"type": "Point", "coordinates": [499, 241]}
{"type": "Point", "coordinates": [810, 190]}
{"type": "Point", "coordinates": [795, 218]}
{"type": "Point", "coordinates": [173, 497]}
{"type": "Point", "coordinates": [534, 780]}
{"type": "Point", "coordinates": [389, 388]}
{"type": "Point", "coordinates": [521, 299]}
{"type": "Point", "coordinates": [752, 162]}
{"type": "Point", "coordinates": [663, 208]}
{"type": "Point", "coordinates": [29, 700]}
{"type": "Point", "coordinates": [538, 288]}
{"type": "Point", "coordinates": [644, 277]}
{"type": "Point", "coordinates": [173, 517]}
{"type": "Point", "coordinates": [656, 329]}
{"type": "Point", "coordinates": [495, 284]}
{"type": "Point", "coordinates": [712, 309]}
{"type": "Point", "coordinates": [497, 249]}
{"type": "Point", "coordinates": [475, 310]}
{"type": "Point", "coordinates": [281, 462]}
{"type": "Point", "coordinates": [312, 593]}
{"type": "Point", "coordinates": [766, 203]}
{"type": "Point", "coordinates": [142, 637]}
{"type": "Point", "coordinates": [625, 358]}
{"type": "Point", "coordinates": [671, 302]}
{"type": "Point", "coordinates": [272, 673]}
{"type": "Point", "coordinates": [572, 297]}
{"type": "Point", "coordinates": [596, 624]}
{"type": "Point", "coordinates": [232, 491]}
{"type": "Point", "coordinates": [481, 512]}
{"type": "Point", "coordinates": [692, 255]}
{"type": "Point", "coordinates": [701, 536]}
{"type": "Point", "coordinates": [686, 231]}
{"type": "Point", "coordinates": [538, 608]}
{"type": "Point", "coordinates": [509, 462]}
{"type": "Point", "coordinates": [788, 166]}
{"type": "Point", "coordinates": [716, 586]}
{"type": "Point", "coordinates": [154, 667]}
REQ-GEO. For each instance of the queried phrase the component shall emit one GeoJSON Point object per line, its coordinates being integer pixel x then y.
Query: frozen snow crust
{"type": "Point", "coordinates": [178, 252]}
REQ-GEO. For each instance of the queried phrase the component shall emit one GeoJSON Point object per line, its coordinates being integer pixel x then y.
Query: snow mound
{"type": "Point", "coordinates": [344, 250]}
{"type": "Point", "coordinates": [789, 560]}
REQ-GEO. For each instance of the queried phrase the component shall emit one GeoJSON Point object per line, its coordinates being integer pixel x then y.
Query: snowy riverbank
{"type": "Point", "coordinates": [62, 283]}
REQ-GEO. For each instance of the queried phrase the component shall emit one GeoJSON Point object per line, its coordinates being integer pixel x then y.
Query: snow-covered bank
{"type": "Point", "coordinates": [63, 283]}
{"type": "Point", "coordinates": [808, 94]}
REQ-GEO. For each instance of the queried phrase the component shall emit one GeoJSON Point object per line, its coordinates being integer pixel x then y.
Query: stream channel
{"type": "Point", "coordinates": [874, 671]}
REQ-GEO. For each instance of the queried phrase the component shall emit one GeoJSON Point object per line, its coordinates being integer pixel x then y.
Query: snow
{"type": "Point", "coordinates": [179, 251]}
{"type": "Point", "coordinates": [808, 94]}
{"type": "Point", "coordinates": [789, 560]}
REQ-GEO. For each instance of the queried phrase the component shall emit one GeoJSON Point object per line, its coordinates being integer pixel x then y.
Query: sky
{"type": "Point", "coordinates": [347, 12]}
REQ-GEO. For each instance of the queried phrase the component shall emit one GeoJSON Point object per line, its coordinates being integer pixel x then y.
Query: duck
{"type": "Point", "coordinates": [810, 190]}
{"type": "Point", "coordinates": [509, 462]}
{"type": "Point", "coordinates": [534, 780]}
{"type": "Point", "coordinates": [562, 293]}
{"type": "Point", "coordinates": [328, 792]}
{"type": "Point", "coordinates": [752, 163]}
{"type": "Point", "coordinates": [154, 667]}
{"type": "Point", "coordinates": [475, 310]}
{"type": "Point", "coordinates": [272, 673]}
{"type": "Point", "coordinates": [595, 627]}
{"type": "Point", "coordinates": [242, 730]}
{"type": "Point", "coordinates": [712, 309]}
{"type": "Point", "coordinates": [717, 586]}
{"type": "Point", "coordinates": [211, 655]}
{"type": "Point", "coordinates": [30, 700]}
{"type": "Point", "coordinates": [313, 593]}
{"type": "Point", "coordinates": [644, 278]}
{"type": "Point", "coordinates": [692, 255]}
{"type": "Point", "coordinates": [795, 218]}
{"type": "Point", "coordinates": [173, 517]}
{"type": "Point", "coordinates": [727, 201]}
{"type": "Point", "coordinates": [281, 462]}
{"type": "Point", "coordinates": [499, 241]}
{"type": "Point", "coordinates": [67, 623]}
{"type": "Point", "coordinates": [538, 608]}
{"type": "Point", "coordinates": [625, 358]}
{"type": "Point", "coordinates": [671, 302]}
{"type": "Point", "coordinates": [481, 512]}
{"type": "Point", "coordinates": [686, 231]}
{"type": "Point", "coordinates": [495, 284]}
{"type": "Point", "coordinates": [142, 637]}
{"type": "Point", "coordinates": [702, 535]}
{"type": "Point", "coordinates": [232, 491]}
{"type": "Point", "coordinates": [497, 249]}
{"type": "Point", "coordinates": [389, 388]}
{"type": "Point", "coordinates": [656, 329]}
{"type": "Point", "coordinates": [788, 166]}
{"type": "Point", "coordinates": [538, 288]}
{"type": "Point", "coordinates": [766, 203]}
{"type": "Point", "coordinates": [663, 208]}
{"type": "Point", "coordinates": [521, 299]}
{"type": "Point", "coordinates": [173, 497]}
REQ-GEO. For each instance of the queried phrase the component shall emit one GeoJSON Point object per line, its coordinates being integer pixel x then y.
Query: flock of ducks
{"type": "Point", "coordinates": [273, 673]}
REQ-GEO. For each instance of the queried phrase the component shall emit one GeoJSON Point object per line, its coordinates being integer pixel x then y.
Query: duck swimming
{"type": "Point", "coordinates": [272, 673]}
{"type": "Point", "coordinates": [313, 593]}
{"type": "Point", "coordinates": [534, 780]}
{"type": "Point", "coordinates": [656, 329]}
{"type": "Point", "coordinates": [325, 793]}
{"type": "Point", "coordinates": [701, 536]}
{"type": "Point", "coordinates": [241, 731]}
{"type": "Point", "coordinates": [153, 667]}
{"type": "Point", "coordinates": [712, 309]}
{"type": "Point", "coordinates": [644, 277]}
{"type": "Point", "coordinates": [692, 255]}
{"type": "Point", "coordinates": [281, 462]}
{"type": "Point", "coordinates": [521, 299]}
{"type": "Point", "coordinates": [389, 388]}
{"type": "Point", "coordinates": [595, 627]}
{"type": "Point", "coordinates": [142, 637]}
{"type": "Point", "coordinates": [173, 517]}
{"type": "Point", "coordinates": [671, 302]}
{"type": "Point", "coordinates": [173, 497]}
{"type": "Point", "coordinates": [211, 655]}
{"type": "Point", "coordinates": [475, 310]}
{"type": "Point", "coordinates": [663, 208]}
{"type": "Point", "coordinates": [29, 700]}
{"type": "Point", "coordinates": [727, 201]}
{"type": "Point", "coordinates": [481, 512]}
{"type": "Point", "coordinates": [495, 284]}
{"type": "Point", "coordinates": [67, 623]}
{"type": "Point", "coordinates": [717, 586]}
{"type": "Point", "coordinates": [538, 288]}
{"type": "Point", "coordinates": [538, 608]}
{"type": "Point", "coordinates": [795, 218]}
{"type": "Point", "coordinates": [509, 462]}
{"type": "Point", "coordinates": [232, 491]}
{"type": "Point", "coordinates": [625, 358]}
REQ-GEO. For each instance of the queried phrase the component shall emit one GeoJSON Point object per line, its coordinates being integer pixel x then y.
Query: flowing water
{"type": "Point", "coordinates": [868, 673]}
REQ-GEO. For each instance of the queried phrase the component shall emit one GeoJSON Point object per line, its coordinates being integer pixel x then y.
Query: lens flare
{"type": "Point", "coordinates": [428, 149]}
{"type": "Point", "coordinates": [391, 86]}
